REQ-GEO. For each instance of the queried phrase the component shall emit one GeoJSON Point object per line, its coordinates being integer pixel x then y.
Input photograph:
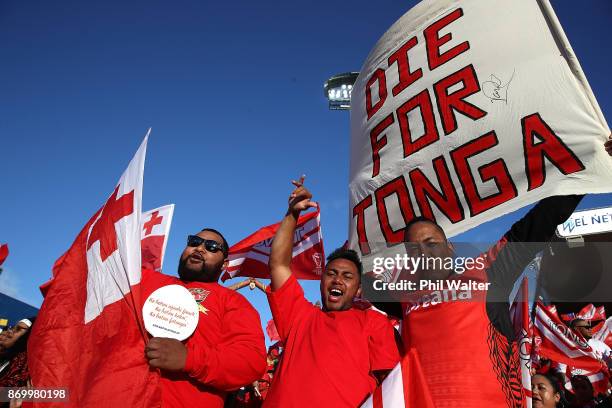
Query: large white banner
{"type": "Point", "coordinates": [465, 111]}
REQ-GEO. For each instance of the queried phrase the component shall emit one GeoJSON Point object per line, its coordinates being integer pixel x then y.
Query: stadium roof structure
{"type": "Point", "coordinates": [12, 310]}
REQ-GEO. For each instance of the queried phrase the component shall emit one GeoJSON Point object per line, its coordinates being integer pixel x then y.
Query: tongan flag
{"type": "Point", "coordinates": [250, 256]}
{"type": "Point", "coordinates": [155, 230]}
{"type": "Point", "coordinates": [89, 336]}
{"type": "Point", "coordinates": [519, 312]}
{"type": "Point", "coordinates": [4, 251]}
{"type": "Point", "coordinates": [404, 387]}
{"type": "Point", "coordinates": [561, 344]}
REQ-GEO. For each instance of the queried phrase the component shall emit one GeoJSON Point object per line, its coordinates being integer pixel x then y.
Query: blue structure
{"type": "Point", "coordinates": [15, 310]}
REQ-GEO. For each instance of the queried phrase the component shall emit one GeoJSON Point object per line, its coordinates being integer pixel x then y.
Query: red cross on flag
{"type": "Point", "coordinates": [89, 337]}
{"type": "Point", "coordinates": [154, 232]}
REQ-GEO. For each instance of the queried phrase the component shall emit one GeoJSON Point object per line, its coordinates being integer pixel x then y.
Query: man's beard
{"type": "Point", "coordinates": [206, 273]}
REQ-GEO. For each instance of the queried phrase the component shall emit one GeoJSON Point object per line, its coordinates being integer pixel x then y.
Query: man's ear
{"type": "Point", "coordinates": [225, 263]}
{"type": "Point", "coordinates": [358, 293]}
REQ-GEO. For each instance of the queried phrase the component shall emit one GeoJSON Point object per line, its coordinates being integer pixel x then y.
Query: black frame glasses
{"type": "Point", "coordinates": [209, 244]}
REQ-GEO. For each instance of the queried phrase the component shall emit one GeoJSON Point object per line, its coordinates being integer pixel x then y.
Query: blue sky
{"type": "Point", "coordinates": [233, 92]}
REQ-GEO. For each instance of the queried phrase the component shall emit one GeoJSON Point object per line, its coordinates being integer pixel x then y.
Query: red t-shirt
{"type": "Point", "coordinates": [225, 352]}
{"type": "Point", "coordinates": [329, 357]}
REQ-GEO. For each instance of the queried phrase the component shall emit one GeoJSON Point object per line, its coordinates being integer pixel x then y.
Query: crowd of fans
{"type": "Point", "coordinates": [552, 386]}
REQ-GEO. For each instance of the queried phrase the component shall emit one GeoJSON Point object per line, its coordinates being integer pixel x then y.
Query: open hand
{"type": "Point", "coordinates": [299, 200]}
{"type": "Point", "coordinates": [167, 354]}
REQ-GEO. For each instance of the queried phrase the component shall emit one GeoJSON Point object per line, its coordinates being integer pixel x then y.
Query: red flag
{"type": "Point", "coordinates": [560, 343]}
{"type": "Point", "coordinates": [271, 331]}
{"type": "Point", "coordinates": [519, 312]}
{"type": "Point", "coordinates": [404, 387]}
{"type": "Point", "coordinates": [249, 257]}
{"type": "Point", "coordinates": [552, 309]}
{"type": "Point", "coordinates": [88, 336]}
{"type": "Point", "coordinates": [155, 230]}
{"type": "Point", "coordinates": [4, 251]}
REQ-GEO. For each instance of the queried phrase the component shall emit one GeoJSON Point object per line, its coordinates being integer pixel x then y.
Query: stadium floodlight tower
{"type": "Point", "coordinates": [338, 90]}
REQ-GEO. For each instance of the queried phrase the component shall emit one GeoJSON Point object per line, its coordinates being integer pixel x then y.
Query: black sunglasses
{"type": "Point", "coordinates": [209, 244]}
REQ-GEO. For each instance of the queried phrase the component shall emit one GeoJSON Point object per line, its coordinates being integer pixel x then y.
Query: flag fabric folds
{"type": "Point", "coordinates": [560, 343]}
{"type": "Point", "coordinates": [89, 337]}
{"type": "Point", "coordinates": [250, 256]}
{"type": "Point", "coordinates": [404, 387]}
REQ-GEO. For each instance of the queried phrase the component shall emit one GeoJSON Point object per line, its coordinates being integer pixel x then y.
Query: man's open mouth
{"type": "Point", "coordinates": [335, 294]}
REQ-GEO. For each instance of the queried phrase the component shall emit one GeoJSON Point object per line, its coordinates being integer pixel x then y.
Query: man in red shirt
{"type": "Point", "coordinates": [464, 338]}
{"type": "Point", "coordinates": [227, 349]}
{"type": "Point", "coordinates": [334, 356]}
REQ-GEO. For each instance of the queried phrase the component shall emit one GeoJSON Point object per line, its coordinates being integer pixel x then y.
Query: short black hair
{"type": "Point", "coordinates": [349, 255]}
{"type": "Point", "coordinates": [418, 219]}
{"type": "Point", "coordinates": [224, 245]}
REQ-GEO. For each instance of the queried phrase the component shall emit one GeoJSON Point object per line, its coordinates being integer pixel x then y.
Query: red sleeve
{"type": "Point", "coordinates": [239, 358]}
{"type": "Point", "coordinates": [384, 354]}
{"type": "Point", "coordinates": [287, 304]}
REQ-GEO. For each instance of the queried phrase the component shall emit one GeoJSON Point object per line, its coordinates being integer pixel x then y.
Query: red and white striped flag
{"type": "Point", "coordinates": [404, 387]}
{"type": "Point", "coordinates": [552, 308]}
{"type": "Point", "coordinates": [88, 336]}
{"type": "Point", "coordinates": [562, 344]}
{"type": "Point", "coordinates": [154, 236]}
{"type": "Point", "coordinates": [519, 313]}
{"type": "Point", "coordinates": [250, 256]}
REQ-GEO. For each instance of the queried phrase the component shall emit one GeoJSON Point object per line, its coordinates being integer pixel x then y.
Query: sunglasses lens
{"type": "Point", "coordinates": [194, 241]}
{"type": "Point", "coordinates": [211, 246]}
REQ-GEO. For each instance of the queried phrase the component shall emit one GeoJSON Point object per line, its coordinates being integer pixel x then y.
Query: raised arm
{"type": "Point", "coordinates": [282, 245]}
